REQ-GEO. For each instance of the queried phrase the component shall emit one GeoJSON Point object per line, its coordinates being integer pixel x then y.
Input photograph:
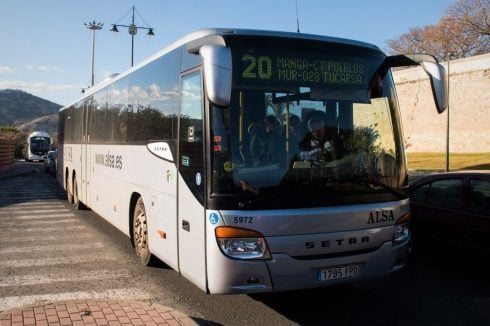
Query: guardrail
{"type": "Point", "coordinates": [7, 149]}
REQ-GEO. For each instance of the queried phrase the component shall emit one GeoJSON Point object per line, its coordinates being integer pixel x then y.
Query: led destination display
{"type": "Point", "coordinates": [304, 69]}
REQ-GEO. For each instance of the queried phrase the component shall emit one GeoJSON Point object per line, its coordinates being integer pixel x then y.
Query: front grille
{"type": "Point", "coordinates": [336, 255]}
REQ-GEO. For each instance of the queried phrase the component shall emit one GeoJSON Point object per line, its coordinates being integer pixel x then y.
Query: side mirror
{"type": "Point", "coordinates": [436, 72]}
{"type": "Point", "coordinates": [216, 62]}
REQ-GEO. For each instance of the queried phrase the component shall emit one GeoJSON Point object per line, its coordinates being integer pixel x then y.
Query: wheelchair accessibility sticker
{"type": "Point", "coordinates": [213, 218]}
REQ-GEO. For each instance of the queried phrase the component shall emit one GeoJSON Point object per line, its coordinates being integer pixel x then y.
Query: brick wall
{"type": "Point", "coordinates": [469, 106]}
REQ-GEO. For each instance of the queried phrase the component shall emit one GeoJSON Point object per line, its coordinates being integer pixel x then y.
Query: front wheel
{"type": "Point", "coordinates": [140, 234]}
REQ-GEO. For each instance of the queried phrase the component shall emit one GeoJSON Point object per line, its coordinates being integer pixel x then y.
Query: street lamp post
{"type": "Point", "coordinates": [133, 30]}
{"type": "Point", "coordinates": [94, 27]}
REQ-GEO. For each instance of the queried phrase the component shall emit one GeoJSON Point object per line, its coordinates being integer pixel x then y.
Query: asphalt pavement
{"type": "Point", "coordinates": [84, 311]}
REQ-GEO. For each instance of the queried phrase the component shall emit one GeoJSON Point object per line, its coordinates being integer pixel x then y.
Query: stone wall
{"type": "Point", "coordinates": [469, 108]}
{"type": "Point", "coordinates": [7, 149]}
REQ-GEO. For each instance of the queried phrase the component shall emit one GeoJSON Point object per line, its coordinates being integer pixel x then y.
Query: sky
{"type": "Point", "coordinates": [46, 50]}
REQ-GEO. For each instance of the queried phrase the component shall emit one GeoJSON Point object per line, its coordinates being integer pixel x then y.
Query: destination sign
{"type": "Point", "coordinates": [303, 69]}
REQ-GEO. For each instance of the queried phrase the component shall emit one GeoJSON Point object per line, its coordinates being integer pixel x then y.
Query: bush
{"type": "Point", "coordinates": [8, 132]}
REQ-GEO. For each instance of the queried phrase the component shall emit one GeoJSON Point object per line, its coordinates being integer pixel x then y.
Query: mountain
{"type": "Point", "coordinates": [27, 112]}
{"type": "Point", "coordinates": [48, 123]}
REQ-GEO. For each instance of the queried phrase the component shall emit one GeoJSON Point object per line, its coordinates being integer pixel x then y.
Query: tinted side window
{"type": "Point", "coordinates": [445, 193]}
{"type": "Point", "coordinates": [189, 60]}
{"type": "Point", "coordinates": [61, 127]}
{"type": "Point", "coordinates": [479, 197]}
{"type": "Point", "coordinates": [420, 194]}
{"type": "Point", "coordinates": [191, 135]}
{"type": "Point", "coordinates": [73, 123]}
{"type": "Point", "coordinates": [68, 123]}
{"type": "Point", "coordinates": [77, 128]}
{"type": "Point", "coordinates": [116, 112]}
{"type": "Point", "coordinates": [99, 124]}
{"type": "Point", "coordinates": [153, 98]}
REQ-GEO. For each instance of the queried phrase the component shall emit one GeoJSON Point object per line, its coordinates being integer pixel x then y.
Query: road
{"type": "Point", "coordinates": [48, 251]}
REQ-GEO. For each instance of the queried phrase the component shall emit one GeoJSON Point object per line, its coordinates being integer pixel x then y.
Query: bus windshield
{"type": "Point", "coordinates": [40, 144]}
{"type": "Point", "coordinates": [311, 123]}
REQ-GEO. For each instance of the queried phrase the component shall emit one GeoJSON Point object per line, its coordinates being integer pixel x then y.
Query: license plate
{"type": "Point", "coordinates": [339, 273]}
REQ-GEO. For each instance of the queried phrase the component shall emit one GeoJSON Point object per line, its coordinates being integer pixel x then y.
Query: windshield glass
{"type": "Point", "coordinates": [40, 144]}
{"type": "Point", "coordinates": [336, 132]}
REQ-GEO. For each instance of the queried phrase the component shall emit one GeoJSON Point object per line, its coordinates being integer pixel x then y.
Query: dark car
{"type": "Point", "coordinates": [452, 207]}
{"type": "Point", "coordinates": [49, 163]}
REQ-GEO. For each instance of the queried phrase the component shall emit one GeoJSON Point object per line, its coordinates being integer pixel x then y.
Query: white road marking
{"type": "Point", "coordinates": [45, 216]}
{"type": "Point", "coordinates": [54, 261]}
{"type": "Point", "coordinates": [40, 239]}
{"type": "Point", "coordinates": [93, 275]}
{"type": "Point", "coordinates": [84, 246]}
{"type": "Point", "coordinates": [13, 221]}
{"type": "Point", "coordinates": [37, 211]}
{"type": "Point", "coordinates": [44, 229]}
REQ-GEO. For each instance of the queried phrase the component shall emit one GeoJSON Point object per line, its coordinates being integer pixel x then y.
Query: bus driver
{"type": "Point", "coordinates": [315, 146]}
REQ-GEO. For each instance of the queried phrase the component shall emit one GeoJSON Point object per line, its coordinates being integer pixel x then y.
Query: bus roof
{"type": "Point", "coordinates": [205, 34]}
{"type": "Point", "coordinates": [39, 134]}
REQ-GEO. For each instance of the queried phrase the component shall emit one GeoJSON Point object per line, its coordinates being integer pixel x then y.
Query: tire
{"type": "Point", "coordinates": [69, 190]}
{"type": "Point", "coordinates": [77, 204]}
{"type": "Point", "coordinates": [140, 235]}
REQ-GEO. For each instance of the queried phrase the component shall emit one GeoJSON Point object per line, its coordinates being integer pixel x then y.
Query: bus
{"type": "Point", "coordinates": [166, 153]}
{"type": "Point", "coordinates": [37, 146]}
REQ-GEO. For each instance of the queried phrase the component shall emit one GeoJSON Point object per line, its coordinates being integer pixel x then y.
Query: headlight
{"type": "Point", "coordinates": [401, 232]}
{"type": "Point", "coordinates": [241, 243]}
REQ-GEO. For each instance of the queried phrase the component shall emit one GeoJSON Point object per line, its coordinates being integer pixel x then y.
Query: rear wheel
{"type": "Point", "coordinates": [140, 234]}
{"type": "Point", "coordinates": [69, 190]}
{"type": "Point", "coordinates": [76, 201]}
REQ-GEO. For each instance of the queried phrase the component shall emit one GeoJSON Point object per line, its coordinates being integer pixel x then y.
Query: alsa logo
{"type": "Point", "coordinates": [380, 217]}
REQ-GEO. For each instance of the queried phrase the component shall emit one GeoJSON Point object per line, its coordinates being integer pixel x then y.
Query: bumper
{"type": "Point", "coordinates": [284, 273]}
{"type": "Point", "coordinates": [292, 274]}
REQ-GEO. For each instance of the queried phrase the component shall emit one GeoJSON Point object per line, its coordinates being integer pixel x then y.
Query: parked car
{"type": "Point", "coordinates": [49, 163]}
{"type": "Point", "coordinates": [452, 207]}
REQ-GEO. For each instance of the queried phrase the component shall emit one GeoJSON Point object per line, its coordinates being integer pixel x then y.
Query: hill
{"type": "Point", "coordinates": [48, 123]}
{"type": "Point", "coordinates": [27, 112]}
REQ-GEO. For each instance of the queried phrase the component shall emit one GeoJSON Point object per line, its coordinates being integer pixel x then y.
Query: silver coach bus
{"type": "Point", "coordinates": [250, 161]}
{"type": "Point", "coordinates": [37, 146]}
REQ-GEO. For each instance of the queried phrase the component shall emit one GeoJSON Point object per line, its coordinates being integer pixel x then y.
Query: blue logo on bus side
{"type": "Point", "coordinates": [213, 218]}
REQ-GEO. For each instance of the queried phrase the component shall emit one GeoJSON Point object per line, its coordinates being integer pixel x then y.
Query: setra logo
{"type": "Point", "coordinates": [353, 241]}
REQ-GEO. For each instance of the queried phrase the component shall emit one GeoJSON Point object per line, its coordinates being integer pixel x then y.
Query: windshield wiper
{"type": "Point", "coordinates": [256, 200]}
{"type": "Point", "coordinates": [248, 188]}
{"type": "Point", "coordinates": [261, 195]}
{"type": "Point", "coordinates": [379, 184]}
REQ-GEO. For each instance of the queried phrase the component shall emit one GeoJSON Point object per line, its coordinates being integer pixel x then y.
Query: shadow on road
{"type": "Point", "coordinates": [443, 288]}
{"type": "Point", "coordinates": [26, 182]}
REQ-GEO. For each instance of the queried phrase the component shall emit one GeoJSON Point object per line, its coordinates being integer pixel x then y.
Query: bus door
{"type": "Point", "coordinates": [86, 166]}
{"type": "Point", "coordinates": [191, 181]}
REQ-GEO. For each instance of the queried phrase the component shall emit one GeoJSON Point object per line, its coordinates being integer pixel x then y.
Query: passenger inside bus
{"type": "Point", "coordinates": [316, 146]}
{"type": "Point", "coordinates": [265, 142]}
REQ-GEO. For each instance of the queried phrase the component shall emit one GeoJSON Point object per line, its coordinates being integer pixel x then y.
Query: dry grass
{"type": "Point", "coordinates": [457, 161]}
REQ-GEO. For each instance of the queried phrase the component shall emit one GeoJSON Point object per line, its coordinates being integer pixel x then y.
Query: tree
{"type": "Point", "coordinates": [462, 32]}
{"type": "Point", "coordinates": [19, 138]}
